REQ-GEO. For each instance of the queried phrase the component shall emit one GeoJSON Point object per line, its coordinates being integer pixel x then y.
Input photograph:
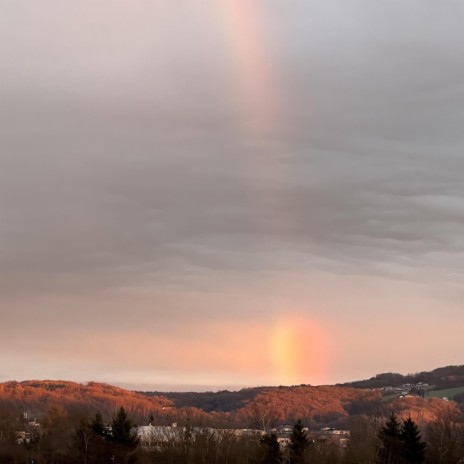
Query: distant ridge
{"type": "Point", "coordinates": [441, 378]}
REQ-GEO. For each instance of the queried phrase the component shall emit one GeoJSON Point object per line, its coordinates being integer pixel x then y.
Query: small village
{"type": "Point", "coordinates": [417, 389]}
{"type": "Point", "coordinates": [156, 437]}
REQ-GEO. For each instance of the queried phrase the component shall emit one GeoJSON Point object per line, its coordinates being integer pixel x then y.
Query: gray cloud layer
{"type": "Point", "coordinates": [123, 165]}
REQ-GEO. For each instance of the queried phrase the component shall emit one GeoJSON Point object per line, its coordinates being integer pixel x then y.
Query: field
{"type": "Point", "coordinates": [448, 393]}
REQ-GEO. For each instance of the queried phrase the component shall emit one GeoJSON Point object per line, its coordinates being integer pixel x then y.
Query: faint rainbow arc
{"type": "Point", "coordinates": [298, 347]}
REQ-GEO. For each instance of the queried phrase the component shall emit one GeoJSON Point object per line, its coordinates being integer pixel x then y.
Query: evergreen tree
{"type": "Point", "coordinates": [401, 444]}
{"type": "Point", "coordinates": [272, 453]}
{"type": "Point", "coordinates": [122, 429]}
{"type": "Point", "coordinates": [414, 447]}
{"type": "Point", "coordinates": [391, 448]}
{"type": "Point", "coordinates": [299, 443]}
{"type": "Point", "coordinates": [101, 446]}
{"type": "Point", "coordinates": [97, 425]}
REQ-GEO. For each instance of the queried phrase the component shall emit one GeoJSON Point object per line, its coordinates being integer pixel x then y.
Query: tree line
{"type": "Point", "coordinates": [62, 439]}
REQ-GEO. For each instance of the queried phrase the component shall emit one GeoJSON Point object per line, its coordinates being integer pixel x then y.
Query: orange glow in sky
{"type": "Point", "coordinates": [300, 350]}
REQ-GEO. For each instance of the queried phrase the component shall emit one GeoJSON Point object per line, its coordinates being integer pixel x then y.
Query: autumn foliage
{"type": "Point", "coordinates": [38, 397]}
{"type": "Point", "coordinates": [260, 408]}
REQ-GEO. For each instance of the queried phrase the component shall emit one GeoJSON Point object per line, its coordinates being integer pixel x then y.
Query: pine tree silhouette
{"type": "Point", "coordinates": [272, 453]}
{"type": "Point", "coordinates": [391, 449]}
{"type": "Point", "coordinates": [401, 444]}
{"type": "Point", "coordinates": [299, 443]}
{"type": "Point", "coordinates": [414, 447]}
{"type": "Point", "coordinates": [122, 429]}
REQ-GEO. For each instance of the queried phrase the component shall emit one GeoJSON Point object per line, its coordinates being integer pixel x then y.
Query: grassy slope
{"type": "Point", "coordinates": [447, 393]}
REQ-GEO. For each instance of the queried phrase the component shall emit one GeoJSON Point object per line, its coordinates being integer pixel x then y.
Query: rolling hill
{"type": "Point", "coordinates": [252, 407]}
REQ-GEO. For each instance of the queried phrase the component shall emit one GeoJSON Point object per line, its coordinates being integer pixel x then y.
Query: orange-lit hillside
{"type": "Point", "coordinates": [255, 407]}
{"type": "Point", "coordinates": [422, 410]}
{"type": "Point", "coordinates": [40, 396]}
{"type": "Point", "coordinates": [313, 404]}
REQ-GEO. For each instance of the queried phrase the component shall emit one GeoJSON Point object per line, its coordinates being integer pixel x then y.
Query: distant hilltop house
{"type": "Point", "coordinates": [407, 389]}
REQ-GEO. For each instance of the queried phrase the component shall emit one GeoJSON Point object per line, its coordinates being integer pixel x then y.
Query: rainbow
{"type": "Point", "coordinates": [299, 348]}
{"type": "Point", "coordinates": [256, 91]}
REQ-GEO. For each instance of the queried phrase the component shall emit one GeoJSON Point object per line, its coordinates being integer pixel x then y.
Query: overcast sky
{"type": "Point", "coordinates": [199, 194]}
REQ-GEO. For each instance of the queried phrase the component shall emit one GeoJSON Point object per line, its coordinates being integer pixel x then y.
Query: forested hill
{"type": "Point", "coordinates": [441, 378]}
{"type": "Point", "coordinates": [223, 400]}
{"type": "Point", "coordinates": [316, 406]}
{"type": "Point", "coordinates": [39, 396]}
{"type": "Point", "coordinates": [250, 407]}
{"type": "Point", "coordinates": [226, 401]}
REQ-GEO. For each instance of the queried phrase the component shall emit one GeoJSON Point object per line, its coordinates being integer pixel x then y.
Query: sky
{"type": "Point", "coordinates": [227, 193]}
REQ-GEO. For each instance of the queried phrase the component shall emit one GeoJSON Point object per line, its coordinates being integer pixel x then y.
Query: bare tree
{"type": "Point", "coordinates": [445, 438]}
{"type": "Point", "coordinates": [83, 436]}
{"type": "Point", "coordinates": [263, 415]}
